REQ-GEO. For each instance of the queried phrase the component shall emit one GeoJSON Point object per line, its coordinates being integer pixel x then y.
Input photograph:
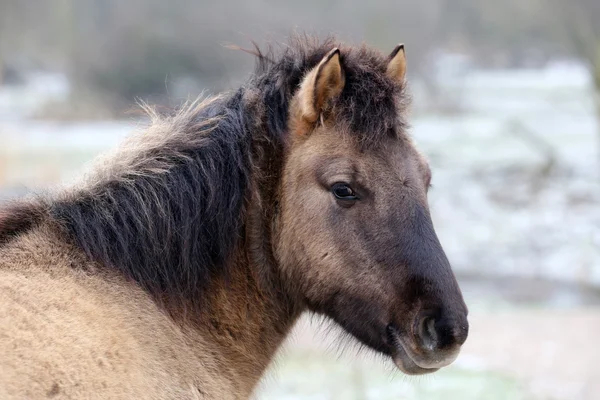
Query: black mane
{"type": "Point", "coordinates": [171, 230]}
{"type": "Point", "coordinates": [173, 218]}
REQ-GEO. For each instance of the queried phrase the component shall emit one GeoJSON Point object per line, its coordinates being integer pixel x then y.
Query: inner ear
{"type": "Point", "coordinates": [322, 84]}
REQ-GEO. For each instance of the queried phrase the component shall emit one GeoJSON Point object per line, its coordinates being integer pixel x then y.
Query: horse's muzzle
{"type": "Point", "coordinates": [434, 343]}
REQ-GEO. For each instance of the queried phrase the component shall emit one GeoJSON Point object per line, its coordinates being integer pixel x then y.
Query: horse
{"type": "Point", "coordinates": [176, 267]}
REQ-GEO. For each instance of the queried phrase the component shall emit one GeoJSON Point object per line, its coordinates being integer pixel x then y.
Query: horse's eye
{"type": "Point", "coordinates": [343, 191]}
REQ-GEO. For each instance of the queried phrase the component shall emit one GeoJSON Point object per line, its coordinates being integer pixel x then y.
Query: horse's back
{"type": "Point", "coordinates": [67, 333]}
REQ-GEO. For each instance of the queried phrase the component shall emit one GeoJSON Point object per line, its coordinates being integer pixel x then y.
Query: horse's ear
{"type": "Point", "coordinates": [396, 69]}
{"type": "Point", "coordinates": [323, 83]}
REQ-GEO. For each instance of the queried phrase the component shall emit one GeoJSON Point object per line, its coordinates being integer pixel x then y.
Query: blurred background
{"type": "Point", "coordinates": [506, 107]}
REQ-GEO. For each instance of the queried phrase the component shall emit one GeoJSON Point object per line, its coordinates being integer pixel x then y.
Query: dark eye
{"type": "Point", "coordinates": [343, 191]}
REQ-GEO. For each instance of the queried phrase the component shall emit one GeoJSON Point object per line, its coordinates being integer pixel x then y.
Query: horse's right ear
{"type": "Point", "coordinates": [320, 85]}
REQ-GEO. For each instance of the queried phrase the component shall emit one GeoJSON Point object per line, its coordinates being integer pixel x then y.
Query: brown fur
{"type": "Point", "coordinates": [177, 268]}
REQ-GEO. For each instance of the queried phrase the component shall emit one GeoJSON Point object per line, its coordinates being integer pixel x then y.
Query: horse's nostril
{"type": "Point", "coordinates": [428, 333]}
{"type": "Point", "coordinates": [440, 333]}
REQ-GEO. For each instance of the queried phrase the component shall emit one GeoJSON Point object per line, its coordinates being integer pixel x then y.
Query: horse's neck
{"type": "Point", "coordinates": [251, 311]}
{"type": "Point", "coordinates": [247, 317]}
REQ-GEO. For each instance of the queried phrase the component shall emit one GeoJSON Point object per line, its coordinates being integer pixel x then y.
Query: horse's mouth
{"type": "Point", "coordinates": [406, 364]}
{"type": "Point", "coordinates": [410, 363]}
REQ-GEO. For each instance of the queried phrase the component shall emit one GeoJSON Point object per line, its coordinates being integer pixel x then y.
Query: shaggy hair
{"type": "Point", "coordinates": [369, 103]}
{"type": "Point", "coordinates": [168, 209]}
{"type": "Point", "coordinates": [170, 214]}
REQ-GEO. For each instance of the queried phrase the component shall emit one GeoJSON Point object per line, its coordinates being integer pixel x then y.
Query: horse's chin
{"type": "Point", "coordinates": [406, 364]}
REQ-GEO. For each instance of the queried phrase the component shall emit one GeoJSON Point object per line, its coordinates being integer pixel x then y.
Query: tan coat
{"type": "Point", "coordinates": [71, 332]}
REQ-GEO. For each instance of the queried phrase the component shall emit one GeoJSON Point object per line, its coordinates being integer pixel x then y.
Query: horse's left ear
{"type": "Point", "coordinates": [323, 83]}
{"type": "Point", "coordinates": [396, 69]}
